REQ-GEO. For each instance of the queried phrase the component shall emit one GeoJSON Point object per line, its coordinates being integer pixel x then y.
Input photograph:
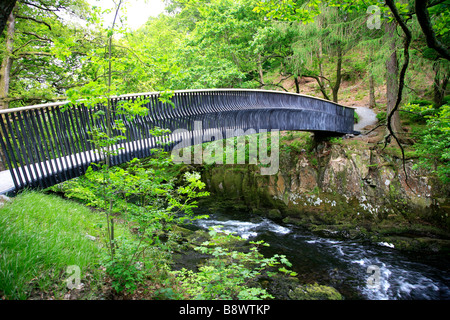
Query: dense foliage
{"type": "Point", "coordinates": [215, 43]}
{"type": "Point", "coordinates": [433, 143]}
{"type": "Point", "coordinates": [59, 49]}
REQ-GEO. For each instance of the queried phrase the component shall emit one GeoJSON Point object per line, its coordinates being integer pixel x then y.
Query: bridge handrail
{"type": "Point", "coordinates": [43, 145]}
{"type": "Point", "coordinates": [156, 93]}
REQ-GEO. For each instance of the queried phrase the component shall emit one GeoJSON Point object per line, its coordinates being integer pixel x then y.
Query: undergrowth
{"type": "Point", "coordinates": [40, 236]}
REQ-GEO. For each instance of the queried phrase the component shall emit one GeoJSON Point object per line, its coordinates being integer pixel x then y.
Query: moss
{"type": "Point", "coordinates": [416, 244]}
{"type": "Point", "coordinates": [314, 292]}
{"type": "Point", "coordinates": [295, 221]}
{"type": "Point", "coordinates": [184, 232]}
{"type": "Point", "coordinates": [344, 231]}
{"type": "Point", "coordinates": [274, 214]}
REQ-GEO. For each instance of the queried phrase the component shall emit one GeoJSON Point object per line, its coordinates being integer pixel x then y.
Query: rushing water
{"type": "Point", "coordinates": [357, 270]}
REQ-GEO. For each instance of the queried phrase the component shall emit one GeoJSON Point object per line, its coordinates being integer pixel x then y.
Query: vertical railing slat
{"type": "Point", "coordinates": [41, 142]}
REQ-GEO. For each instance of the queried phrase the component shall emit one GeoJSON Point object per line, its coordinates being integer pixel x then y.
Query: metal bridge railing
{"type": "Point", "coordinates": [47, 144]}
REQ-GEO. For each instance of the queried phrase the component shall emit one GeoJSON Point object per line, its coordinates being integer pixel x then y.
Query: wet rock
{"type": "Point", "coordinates": [274, 214]}
{"type": "Point", "coordinates": [314, 292]}
{"type": "Point", "coordinates": [416, 244]}
{"type": "Point", "coordinates": [339, 231]}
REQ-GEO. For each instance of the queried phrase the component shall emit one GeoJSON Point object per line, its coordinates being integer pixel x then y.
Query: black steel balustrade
{"type": "Point", "coordinates": [46, 144]}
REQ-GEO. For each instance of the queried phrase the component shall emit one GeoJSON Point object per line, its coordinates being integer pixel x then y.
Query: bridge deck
{"type": "Point", "coordinates": [45, 145]}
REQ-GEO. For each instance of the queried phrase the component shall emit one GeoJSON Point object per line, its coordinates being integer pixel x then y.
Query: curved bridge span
{"type": "Point", "coordinates": [46, 144]}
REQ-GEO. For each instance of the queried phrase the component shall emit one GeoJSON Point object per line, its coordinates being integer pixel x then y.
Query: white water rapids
{"type": "Point", "coordinates": [376, 272]}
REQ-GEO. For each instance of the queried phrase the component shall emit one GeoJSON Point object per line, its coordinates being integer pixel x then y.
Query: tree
{"type": "Point", "coordinates": [221, 37]}
{"type": "Point", "coordinates": [307, 12]}
{"type": "Point", "coordinates": [392, 89]}
{"type": "Point", "coordinates": [6, 8]}
{"type": "Point", "coordinates": [273, 45]}
{"type": "Point", "coordinates": [423, 16]}
{"type": "Point", "coordinates": [327, 37]}
{"type": "Point", "coordinates": [441, 79]}
{"type": "Point", "coordinates": [28, 69]}
{"type": "Point", "coordinates": [42, 51]}
{"type": "Point", "coordinates": [199, 44]}
{"type": "Point", "coordinates": [5, 69]}
{"type": "Point", "coordinates": [341, 32]}
{"type": "Point", "coordinates": [158, 45]}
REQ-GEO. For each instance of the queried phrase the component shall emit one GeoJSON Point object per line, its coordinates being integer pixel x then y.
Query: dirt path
{"type": "Point", "coordinates": [366, 117]}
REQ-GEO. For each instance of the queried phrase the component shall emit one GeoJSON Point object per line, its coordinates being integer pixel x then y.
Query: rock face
{"type": "Point", "coordinates": [337, 184]}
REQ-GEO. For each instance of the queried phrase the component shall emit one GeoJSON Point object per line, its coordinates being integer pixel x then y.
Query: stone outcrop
{"type": "Point", "coordinates": [353, 184]}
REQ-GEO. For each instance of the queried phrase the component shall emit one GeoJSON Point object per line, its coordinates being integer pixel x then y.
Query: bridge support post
{"type": "Point", "coordinates": [321, 136]}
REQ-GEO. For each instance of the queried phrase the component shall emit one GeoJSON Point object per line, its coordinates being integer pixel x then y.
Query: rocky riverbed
{"type": "Point", "coordinates": [348, 188]}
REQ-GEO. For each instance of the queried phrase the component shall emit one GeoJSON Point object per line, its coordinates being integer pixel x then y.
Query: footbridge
{"type": "Point", "coordinates": [46, 144]}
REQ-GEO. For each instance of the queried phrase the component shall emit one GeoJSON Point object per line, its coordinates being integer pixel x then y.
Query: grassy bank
{"type": "Point", "coordinates": [40, 236]}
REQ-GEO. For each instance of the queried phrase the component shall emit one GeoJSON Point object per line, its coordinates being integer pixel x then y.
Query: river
{"type": "Point", "coordinates": [358, 270]}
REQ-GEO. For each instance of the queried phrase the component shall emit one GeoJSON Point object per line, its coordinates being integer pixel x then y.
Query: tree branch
{"type": "Point", "coordinates": [39, 7]}
{"type": "Point", "coordinates": [134, 53]}
{"type": "Point", "coordinates": [321, 86]}
{"type": "Point", "coordinates": [6, 7]}
{"type": "Point", "coordinates": [272, 84]}
{"type": "Point", "coordinates": [27, 43]}
{"type": "Point", "coordinates": [425, 23]}
{"type": "Point", "coordinates": [433, 4]}
{"type": "Point", "coordinates": [35, 20]}
{"type": "Point", "coordinates": [401, 81]}
{"type": "Point", "coordinates": [30, 53]}
{"type": "Point", "coordinates": [35, 35]}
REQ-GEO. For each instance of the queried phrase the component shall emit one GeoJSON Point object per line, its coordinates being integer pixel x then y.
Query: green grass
{"type": "Point", "coordinates": [40, 235]}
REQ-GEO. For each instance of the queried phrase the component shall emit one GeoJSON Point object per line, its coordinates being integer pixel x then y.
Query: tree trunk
{"type": "Point", "coordinates": [320, 53]}
{"type": "Point", "coordinates": [5, 69]}
{"type": "Point", "coordinates": [372, 102]}
{"type": "Point", "coordinates": [321, 84]}
{"type": "Point", "coordinates": [6, 7]}
{"type": "Point", "coordinates": [297, 85]}
{"type": "Point", "coordinates": [260, 71]}
{"type": "Point", "coordinates": [392, 81]}
{"type": "Point", "coordinates": [423, 17]}
{"type": "Point", "coordinates": [439, 85]}
{"type": "Point", "coordinates": [337, 84]}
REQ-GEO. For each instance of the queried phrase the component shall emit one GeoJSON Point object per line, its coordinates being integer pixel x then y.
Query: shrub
{"type": "Point", "coordinates": [433, 147]}
{"type": "Point", "coordinates": [419, 113]}
{"type": "Point", "coordinates": [228, 274]}
{"type": "Point", "coordinates": [381, 116]}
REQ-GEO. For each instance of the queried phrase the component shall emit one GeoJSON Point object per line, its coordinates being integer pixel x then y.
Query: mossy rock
{"type": "Point", "coordinates": [295, 221]}
{"type": "Point", "coordinates": [274, 214]}
{"type": "Point", "coordinates": [314, 292]}
{"type": "Point", "coordinates": [347, 231]}
{"type": "Point", "coordinates": [417, 244]}
{"type": "Point", "coordinates": [197, 238]}
{"type": "Point", "coordinates": [184, 232]}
